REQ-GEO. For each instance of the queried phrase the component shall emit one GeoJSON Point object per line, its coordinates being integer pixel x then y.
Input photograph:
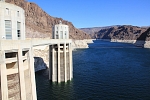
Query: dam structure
{"type": "Point", "coordinates": [17, 75]}
{"type": "Point", "coordinates": [60, 55]}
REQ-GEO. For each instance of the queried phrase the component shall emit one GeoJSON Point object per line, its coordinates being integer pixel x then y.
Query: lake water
{"type": "Point", "coordinates": [105, 71]}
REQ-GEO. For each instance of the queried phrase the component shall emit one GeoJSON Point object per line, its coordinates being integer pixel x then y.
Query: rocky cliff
{"type": "Point", "coordinates": [124, 32]}
{"type": "Point", "coordinates": [145, 36]}
{"type": "Point", "coordinates": [39, 23]}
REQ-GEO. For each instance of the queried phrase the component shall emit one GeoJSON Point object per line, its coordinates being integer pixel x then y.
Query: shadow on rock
{"type": "Point", "coordinates": [142, 38]}
{"type": "Point", "coordinates": [39, 64]}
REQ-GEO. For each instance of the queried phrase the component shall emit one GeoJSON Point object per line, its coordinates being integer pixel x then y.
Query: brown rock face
{"type": "Point", "coordinates": [145, 36]}
{"type": "Point", "coordinates": [125, 32]}
{"type": "Point", "coordinates": [39, 23]}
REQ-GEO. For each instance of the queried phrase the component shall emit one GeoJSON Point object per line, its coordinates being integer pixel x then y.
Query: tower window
{"type": "Point", "coordinates": [65, 35]}
{"type": "Point", "coordinates": [8, 29]}
{"type": "Point", "coordinates": [61, 34]}
{"type": "Point", "coordinates": [57, 35]}
{"type": "Point", "coordinates": [18, 13]}
{"type": "Point", "coordinates": [7, 11]}
{"type": "Point", "coordinates": [18, 30]}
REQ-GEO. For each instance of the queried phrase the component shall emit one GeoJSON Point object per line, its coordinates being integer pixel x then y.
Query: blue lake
{"type": "Point", "coordinates": [105, 71]}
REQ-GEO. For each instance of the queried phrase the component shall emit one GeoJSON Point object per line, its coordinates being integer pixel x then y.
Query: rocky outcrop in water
{"type": "Point", "coordinates": [39, 23]}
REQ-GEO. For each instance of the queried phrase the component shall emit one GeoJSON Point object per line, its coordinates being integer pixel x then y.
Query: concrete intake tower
{"type": "Point", "coordinates": [61, 55]}
{"type": "Point", "coordinates": [17, 74]}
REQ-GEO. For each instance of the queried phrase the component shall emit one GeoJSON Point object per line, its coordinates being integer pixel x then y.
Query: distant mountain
{"type": "Point", "coordinates": [125, 32]}
{"type": "Point", "coordinates": [122, 32]}
{"type": "Point", "coordinates": [39, 23]}
{"type": "Point", "coordinates": [93, 29]}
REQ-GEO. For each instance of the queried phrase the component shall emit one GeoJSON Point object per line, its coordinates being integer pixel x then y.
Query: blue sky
{"type": "Point", "coordinates": [98, 13]}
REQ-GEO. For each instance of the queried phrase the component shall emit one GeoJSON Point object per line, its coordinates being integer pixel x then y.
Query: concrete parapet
{"type": "Point", "coordinates": [14, 44]}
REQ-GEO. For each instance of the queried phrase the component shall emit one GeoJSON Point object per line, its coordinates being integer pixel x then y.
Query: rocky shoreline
{"type": "Point", "coordinates": [80, 44]}
{"type": "Point", "coordinates": [139, 36]}
{"type": "Point", "coordinates": [124, 41]}
{"type": "Point", "coordinates": [139, 43]}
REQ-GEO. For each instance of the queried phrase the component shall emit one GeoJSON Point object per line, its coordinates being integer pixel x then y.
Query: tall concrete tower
{"type": "Point", "coordinates": [61, 69]}
{"type": "Point", "coordinates": [12, 22]}
{"type": "Point", "coordinates": [17, 79]}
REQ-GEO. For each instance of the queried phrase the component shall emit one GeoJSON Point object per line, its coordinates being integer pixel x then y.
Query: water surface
{"type": "Point", "coordinates": [102, 72]}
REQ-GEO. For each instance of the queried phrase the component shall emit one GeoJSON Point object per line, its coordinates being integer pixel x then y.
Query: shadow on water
{"type": "Point", "coordinates": [47, 90]}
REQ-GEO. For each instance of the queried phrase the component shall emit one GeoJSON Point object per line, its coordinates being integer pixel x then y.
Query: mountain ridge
{"type": "Point", "coordinates": [121, 32]}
